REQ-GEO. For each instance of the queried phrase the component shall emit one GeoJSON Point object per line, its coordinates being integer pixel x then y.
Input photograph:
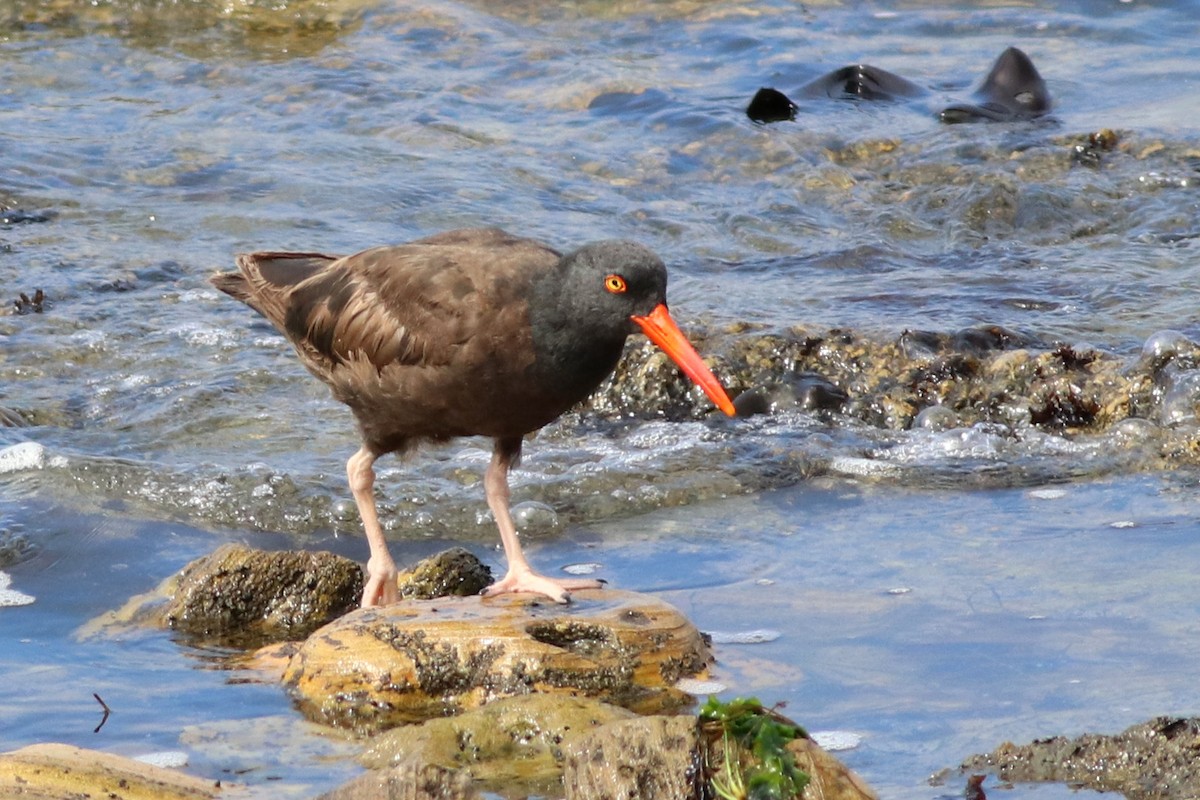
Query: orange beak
{"type": "Point", "coordinates": [663, 331]}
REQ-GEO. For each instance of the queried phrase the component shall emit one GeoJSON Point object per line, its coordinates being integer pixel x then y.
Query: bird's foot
{"type": "Point", "coordinates": [381, 588]}
{"type": "Point", "coordinates": [533, 583]}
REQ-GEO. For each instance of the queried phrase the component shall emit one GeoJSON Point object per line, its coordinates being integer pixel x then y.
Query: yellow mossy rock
{"type": "Point", "coordinates": [376, 668]}
{"type": "Point", "coordinates": [64, 772]}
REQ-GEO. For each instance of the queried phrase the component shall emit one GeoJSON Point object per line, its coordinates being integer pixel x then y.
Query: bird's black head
{"type": "Point", "coordinates": [608, 283]}
{"type": "Point", "coordinates": [582, 312]}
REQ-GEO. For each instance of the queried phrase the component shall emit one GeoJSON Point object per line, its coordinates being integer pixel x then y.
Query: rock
{"type": "Point", "coordinates": [1155, 760]}
{"type": "Point", "coordinates": [376, 668]}
{"type": "Point", "coordinates": [658, 757]}
{"type": "Point", "coordinates": [411, 780]}
{"type": "Point", "coordinates": [516, 743]}
{"type": "Point", "coordinates": [670, 758]}
{"type": "Point", "coordinates": [829, 778]}
{"type": "Point", "coordinates": [451, 572]}
{"type": "Point", "coordinates": [242, 595]}
{"type": "Point", "coordinates": [60, 771]}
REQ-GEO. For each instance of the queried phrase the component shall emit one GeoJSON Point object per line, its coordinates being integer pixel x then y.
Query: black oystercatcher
{"type": "Point", "coordinates": [470, 332]}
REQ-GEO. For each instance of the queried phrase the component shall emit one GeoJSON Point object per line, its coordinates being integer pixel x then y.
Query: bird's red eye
{"type": "Point", "coordinates": [615, 284]}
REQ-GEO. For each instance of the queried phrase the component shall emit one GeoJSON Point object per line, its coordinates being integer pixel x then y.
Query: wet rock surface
{"type": "Point", "coordinates": [659, 757]}
{"type": "Point", "coordinates": [241, 597]}
{"type": "Point", "coordinates": [54, 771]}
{"type": "Point", "coordinates": [376, 668]}
{"type": "Point", "coordinates": [513, 744]}
{"type": "Point", "coordinates": [261, 595]}
{"type": "Point", "coordinates": [1154, 760]}
{"type": "Point", "coordinates": [411, 780]}
{"type": "Point", "coordinates": [985, 375]}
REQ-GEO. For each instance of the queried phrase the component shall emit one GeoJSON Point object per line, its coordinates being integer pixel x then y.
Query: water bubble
{"type": "Point", "coordinates": [1181, 397]}
{"type": "Point", "coordinates": [1165, 345]}
{"type": "Point", "coordinates": [936, 418]}
{"type": "Point", "coordinates": [534, 518]}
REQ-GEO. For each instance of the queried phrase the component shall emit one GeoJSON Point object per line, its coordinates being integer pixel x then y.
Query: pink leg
{"type": "Point", "coordinates": [520, 576]}
{"type": "Point", "coordinates": [381, 570]}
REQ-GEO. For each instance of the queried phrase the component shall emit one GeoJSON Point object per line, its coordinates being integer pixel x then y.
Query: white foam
{"type": "Point", "coordinates": [587, 568]}
{"type": "Point", "coordinates": [697, 687]}
{"type": "Point", "coordinates": [758, 636]}
{"type": "Point", "coordinates": [836, 740]}
{"type": "Point", "coordinates": [168, 759]}
{"type": "Point", "coordinates": [22, 456]}
{"type": "Point", "coordinates": [11, 597]}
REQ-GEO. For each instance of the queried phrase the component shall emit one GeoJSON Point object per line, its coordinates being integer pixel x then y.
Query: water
{"type": "Point", "coordinates": [146, 142]}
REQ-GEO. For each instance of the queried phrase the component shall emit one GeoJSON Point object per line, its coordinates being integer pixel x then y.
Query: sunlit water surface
{"type": "Point", "coordinates": [934, 593]}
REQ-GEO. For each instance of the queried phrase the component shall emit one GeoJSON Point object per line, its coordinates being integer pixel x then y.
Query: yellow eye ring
{"type": "Point", "coordinates": [615, 284]}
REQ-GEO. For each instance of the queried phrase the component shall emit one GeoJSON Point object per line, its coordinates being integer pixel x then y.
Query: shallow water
{"type": "Point", "coordinates": [146, 142]}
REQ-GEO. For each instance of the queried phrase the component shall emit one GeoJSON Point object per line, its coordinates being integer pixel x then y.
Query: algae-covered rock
{"type": "Point", "coordinates": [60, 771]}
{"type": "Point", "coordinates": [659, 757]}
{"type": "Point", "coordinates": [241, 597]}
{"type": "Point", "coordinates": [410, 780]}
{"type": "Point", "coordinates": [452, 572]}
{"type": "Point", "coordinates": [376, 668]}
{"type": "Point", "coordinates": [242, 594]}
{"type": "Point", "coordinates": [516, 743]}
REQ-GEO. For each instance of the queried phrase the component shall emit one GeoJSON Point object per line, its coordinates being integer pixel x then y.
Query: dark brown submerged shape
{"type": "Point", "coordinates": [467, 333]}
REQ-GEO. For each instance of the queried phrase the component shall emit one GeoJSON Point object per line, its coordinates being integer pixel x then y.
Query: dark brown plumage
{"type": "Point", "coordinates": [470, 332]}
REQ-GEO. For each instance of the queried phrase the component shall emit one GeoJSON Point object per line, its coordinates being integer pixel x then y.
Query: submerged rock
{"type": "Point", "coordinates": [411, 780]}
{"type": "Point", "coordinates": [1154, 760]}
{"type": "Point", "coordinates": [513, 744]}
{"type": "Point", "coordinates": [418, 660]}
{"type": "Point", "coordinates": [63, 771]}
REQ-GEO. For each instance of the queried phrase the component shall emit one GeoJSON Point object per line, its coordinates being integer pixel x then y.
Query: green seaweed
{"type": "Point", "coordinates": [744, 724]}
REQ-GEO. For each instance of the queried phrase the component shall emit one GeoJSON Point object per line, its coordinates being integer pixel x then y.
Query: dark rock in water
{"type": "Point", "coordinates": [808, 391]}
{"type": "Point", "coordinates": [15, 216]}
{"type": "Point", "coordinates": [969, 341]}
{"type": "Point", "coordinates": [988, 339]}
{"type": "Point", "coordinates": [862, 82]}
{"type": "Point", "coordinates": [770, 105]}
{"type": "Point", "coordinates": [10, 418]}
{"type": "Point", "coordinates": [24, 304]}
{"type": "Point", "coordinates": [1090, 154]}
{"type": "Point", "coordinates": [246, 596]}
{"type": "Point", "coordinates": [1012, 90]}
{"type": "Point", "coordinates": [1155, 760]}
